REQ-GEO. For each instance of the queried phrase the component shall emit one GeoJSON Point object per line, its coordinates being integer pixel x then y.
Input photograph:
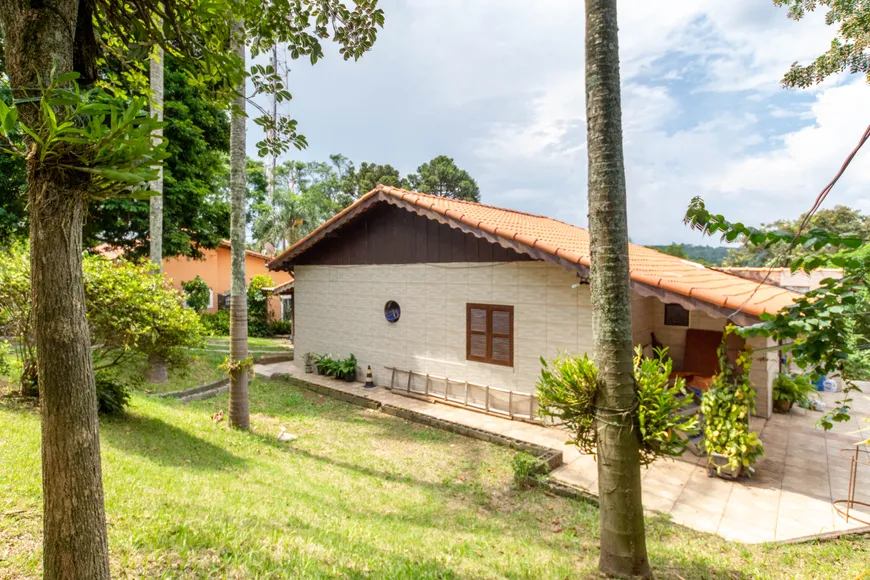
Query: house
{"type": "Point", "coordinates": [477, 293]}
{"type": "Point", "coordinates": [215, 267]}
{"type": "Point", "coordinates": [799, 281]}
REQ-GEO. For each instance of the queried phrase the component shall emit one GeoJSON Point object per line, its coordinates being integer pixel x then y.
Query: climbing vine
{"type": "Point", "coordinates": [726, 408]}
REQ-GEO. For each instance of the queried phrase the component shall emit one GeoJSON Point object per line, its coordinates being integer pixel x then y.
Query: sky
{"type": "Point", "coordinates": [498, 86]}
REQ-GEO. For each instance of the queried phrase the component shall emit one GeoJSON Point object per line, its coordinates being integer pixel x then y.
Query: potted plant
{"type": "Point", "coordinates": [347, 369]}
{"type": "Point", "coordinates": [324, 364]}
{"type": "Point", "coordinates": [788, 390]}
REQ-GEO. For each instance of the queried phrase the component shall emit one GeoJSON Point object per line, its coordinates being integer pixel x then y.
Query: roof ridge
{"type": "Point", "coordinates": [477, 203]}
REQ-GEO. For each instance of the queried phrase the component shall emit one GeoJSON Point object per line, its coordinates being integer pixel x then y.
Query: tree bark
{"type": "Point", "coordinates": [40, 37]}
{"type": "Point", "coordinates": [623, 542]}
{"type": "Point", "coordinates": [74, 523]}
{"type": "Point", "coordinates": [157, 370]}
{"type": "Point", "coordinates": [156, 200]}
{"type": "Point", "coordinates": [239, 415]}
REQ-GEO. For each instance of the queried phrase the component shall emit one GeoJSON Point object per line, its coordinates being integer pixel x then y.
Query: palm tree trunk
{"type": "Point", "coordinates": [239, 416]}
{"type": "Point", "coordinates": [623, 542]}
{"type": "Point", "coordinates": [156, 200]}
{"type": "Point", "coordinates": [37, 40]}
{"type": "Point", "coordinates": [157, 371]}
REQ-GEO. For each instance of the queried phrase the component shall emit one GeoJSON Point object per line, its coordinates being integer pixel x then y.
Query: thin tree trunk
{"type": "Point", "coordinates": [156, 200]}
{"type": "Point", "coordinates": [40, 37]}
{"type": "Point", "coordinates": [623, 542]}
{"type": "Point", "coordinates": [239, 416]}
{"type": "Point", "coordinates": [157, 370]}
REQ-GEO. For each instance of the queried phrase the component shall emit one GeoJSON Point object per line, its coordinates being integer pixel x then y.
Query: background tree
{"type": "Point", "coordinates": [364, 179]}
{"type": "Point", "coordinates": [195, 196]}
{"type": "Point", "coordinates": [195, 207]}
{"type": "Point", "coordinates": [841, 220]}
{"type": "Point", "coordinates": [13, 183]}
{"type": "Point", "coordinates": [623, 541]}
{"type": "Point", "coordinates": [441, 176]}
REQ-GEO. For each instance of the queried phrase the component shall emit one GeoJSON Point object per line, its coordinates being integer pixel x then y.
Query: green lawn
{"type": "Point", "coordinates": [254, 343]}
{"type": "Point", "coordinates": [359, 495]}
{"type": "Point", "coordinates": [202, 367]}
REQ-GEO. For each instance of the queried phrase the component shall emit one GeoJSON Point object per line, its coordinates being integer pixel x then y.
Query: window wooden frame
{"type": "Point", "coordinates": [489, 308]}
{"type": "Point", "coordinates": [676, 315]}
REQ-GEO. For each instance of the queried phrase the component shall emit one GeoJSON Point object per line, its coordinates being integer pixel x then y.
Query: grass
{"type": "Point", "coordinates": [360, 494]}
{"type": "Point", "coordinates": [254, 343]}
{"type": "Point", "coordinates": [202, 367]}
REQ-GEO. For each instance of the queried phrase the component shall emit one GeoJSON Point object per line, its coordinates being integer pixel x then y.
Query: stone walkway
{"type": "Point", "coordinates": [789, 498]}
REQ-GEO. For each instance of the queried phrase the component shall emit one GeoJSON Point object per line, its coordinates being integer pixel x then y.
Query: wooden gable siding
{"type": "Point", "coordinates": [386, 234]}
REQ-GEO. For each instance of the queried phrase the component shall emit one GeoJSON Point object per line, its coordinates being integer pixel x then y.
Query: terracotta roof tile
{"type": "Point", "coordinates": [571, 243]}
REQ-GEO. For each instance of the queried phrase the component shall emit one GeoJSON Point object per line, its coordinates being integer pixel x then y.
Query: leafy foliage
{"type": "Point", "coordinates": [217, 323]}
{"type": "Point", "coordinates": [197, 294]}
{"type": "Point", "coordinates": [258, 300]}
{"type": "Point", "coordinates": [108, 143]}
{"type": "Point", "coordinates": [132, 308]}
{"type": "Point", "coordinates": [793, 389]}
{"type": "Point", "coordinates": [664, 430]}
{"type": "Point", "coordinates": [849, 48]}
{"type": "Point", "coordinates": [527, 468]}
{"type": "Point", "coordinates": [821, 329]}
{"type": "Point", "coordinates": [16, 312]}
{"type": "Point", "coordinates": [841, 220]}
{"type": "Point", "coordinates": [113, 397]}
{"type": "Point", "coordinates": [726, 408]}
{"type": "Point", "coordinates": [442, 177]}
{"type": "Point", "coordinates": [567, 392]}
{"type": "Point", "coordinates": [195, 208]}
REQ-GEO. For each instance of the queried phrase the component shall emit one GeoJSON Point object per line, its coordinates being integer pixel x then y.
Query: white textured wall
{"type": "Point", "coordinates": [340, 310]}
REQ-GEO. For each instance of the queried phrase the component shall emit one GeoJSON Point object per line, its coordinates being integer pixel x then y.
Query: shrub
{"type": "Point", "coordinates": [217, 324]}
{"type": "Point", "coordinates": [726, 408]}
{"type": "Point", "coordinates": [16, 313]}
{"type": "Point", "coordinates": [281, 327]}
{"type": "Point", "coordinates": [569, 385]}
{"type": "Point", "coordinates": [113, 397]}
{"type": "Point", "coordinates": [857, 366]}
{"type": "Point", "coordinates": [258, 301]}
{"type": "Point", "coordinates": [197, 294]}
{"type": "Point", "coordinates": [527, 469]}
{"type": "Point", "coordinates": [132, 308]}
{"type": "Point", "coordinates": [6, 358]}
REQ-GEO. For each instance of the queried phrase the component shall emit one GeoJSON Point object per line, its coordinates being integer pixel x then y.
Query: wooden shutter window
{"type": "Point", "coordinates": [490, 334]}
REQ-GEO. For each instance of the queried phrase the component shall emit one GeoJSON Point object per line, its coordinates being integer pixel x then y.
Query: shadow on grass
{"type": "Point", "coordinates": [165, 444]}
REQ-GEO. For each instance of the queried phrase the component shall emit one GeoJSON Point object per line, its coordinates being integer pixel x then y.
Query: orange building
{"type": "Point", "coordinates": [215, 267]}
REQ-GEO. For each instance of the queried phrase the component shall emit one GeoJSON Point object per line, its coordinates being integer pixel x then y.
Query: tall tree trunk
{"type": "Point", "coordinates": [239, 416]}
{"type": "Point", "coordinates": [623, 542]}
{"type": "Point", "coordinates": [157, 371]}
{"type": "Point", "coordinates": [38, 38]}
{"type": "Point", "coordinates": [156, 200]}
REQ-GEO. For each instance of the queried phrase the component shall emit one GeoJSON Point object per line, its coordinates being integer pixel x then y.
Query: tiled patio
{"type": "Point", "coordinates": [789, 498]}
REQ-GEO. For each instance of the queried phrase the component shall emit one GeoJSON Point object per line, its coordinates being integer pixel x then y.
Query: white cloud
{"type": "Point", "coordinates": [499, 85]}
